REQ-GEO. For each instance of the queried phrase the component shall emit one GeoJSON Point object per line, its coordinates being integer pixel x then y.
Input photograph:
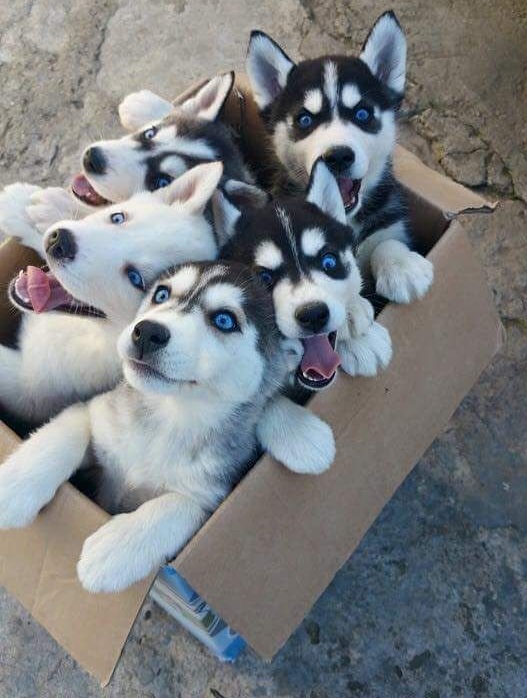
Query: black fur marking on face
{"type": "Point", "coordinates": [256, 304]}
{"type": "Point", "coordinates": [255, 227]}
{"type": "Point", "coordinates": [216, 136]}
{"type": "Point", "coordinates": [310, 75]}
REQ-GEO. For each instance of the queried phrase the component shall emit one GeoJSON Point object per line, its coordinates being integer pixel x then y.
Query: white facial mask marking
{"type": "Point", "coordinates": [331, 85]}
{"type": "Point", "coordinates": [313, 241]}
{"type": "Point", "coordinates": [313, 101]}
{"type": "Point", "coordinates": [268, 255]}
{"type": "Point", "coordinates": [350, 95]}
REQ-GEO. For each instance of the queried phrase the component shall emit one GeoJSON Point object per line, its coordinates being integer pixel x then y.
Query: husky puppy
{"type": "Point", "coordinates": [201, 360]}
{"type": "Point", "coordinates": [100, 268]}
{"type": "Point", "coordinates": [165, 141]}
{"type": "Point", "coordinates": [343, 109]}
{"type": "Point", "coordinates": [303, 251]}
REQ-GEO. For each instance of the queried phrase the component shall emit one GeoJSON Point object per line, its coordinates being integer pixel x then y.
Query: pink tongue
{"type": "Point", "coordinates": [319, 356]}
{"type": "Point", "coordinates": [84, 190]}
{"type": "Point", "coordinates": [41, 289]}
{"type": "Point", "coordinates": [347, 189]}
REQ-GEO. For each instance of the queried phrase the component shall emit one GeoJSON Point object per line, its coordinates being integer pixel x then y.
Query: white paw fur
{"type": "Point", "coordinates": [14, 219]}
{"type": "Point", "coordinates": [360, 315]}
{"type": "Point", "coordinates": [113, 557]}
{"type": "Point", "coordinates": [368, 354]}
{"type": "Point", "coordinates": [53, 204]}
{"type": "Point", "coordinates": [296, 437]}
{"type": "Point", "coordinates": [20, 500]}
{"type": "Point", "coordinates": [400, 275]}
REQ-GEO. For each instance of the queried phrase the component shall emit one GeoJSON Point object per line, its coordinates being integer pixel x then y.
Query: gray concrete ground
{"type": "Point", "coordinates": [433, 604]}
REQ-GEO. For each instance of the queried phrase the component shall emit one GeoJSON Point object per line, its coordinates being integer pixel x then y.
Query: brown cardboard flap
{"type": "Point", "coordinates": [449, 196]}
{"type": "Point", "coordinates": [273, 547]}
{"type": "Point", "coordinates": [37, 566]}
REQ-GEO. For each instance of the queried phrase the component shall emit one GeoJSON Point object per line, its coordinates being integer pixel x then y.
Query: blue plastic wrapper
{"type": "Point", "coordinates": [180, 601]}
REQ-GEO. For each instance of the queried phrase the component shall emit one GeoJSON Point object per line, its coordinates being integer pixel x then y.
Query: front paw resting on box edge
{"type": "Point", "coordinates": [113, 558]}
{"type": "Point", "coordinates": [368, 354]}
{"type": "Point", "coordinates": [21, 498]}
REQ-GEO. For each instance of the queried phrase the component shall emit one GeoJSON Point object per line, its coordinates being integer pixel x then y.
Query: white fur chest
{"type": "Point", "coordinates": [65, 359]}
{"type": "Point", "coordinates": [148, 447]}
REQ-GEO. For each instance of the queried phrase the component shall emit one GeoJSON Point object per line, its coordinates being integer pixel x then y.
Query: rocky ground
{"type": "Point", "coordinates": [433, 604]}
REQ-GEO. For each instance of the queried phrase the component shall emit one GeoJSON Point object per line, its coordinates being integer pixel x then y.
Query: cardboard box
{"type": "Point", "coordinates": [274, 545]}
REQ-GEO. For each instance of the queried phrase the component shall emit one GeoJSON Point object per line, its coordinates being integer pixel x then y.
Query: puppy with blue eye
{"type": "Point", "coordinates": [302, 250]}
{"type": "Point", "coordinates": [201, 362]}
{"type": "Point", "coordinates": [343, 109]}
{"type": "Point", "coordinates": [99, 270]}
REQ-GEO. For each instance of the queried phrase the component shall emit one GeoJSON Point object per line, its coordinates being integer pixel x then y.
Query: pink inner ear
{"type": "Point", "coordinates": [207, 100]}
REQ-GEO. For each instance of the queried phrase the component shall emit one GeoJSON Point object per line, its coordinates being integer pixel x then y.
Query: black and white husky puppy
{"type": "Point", "coordinates": [303, 251]}
{"type": "Point", "coordinates": [201, 361]}
{"type": "Point", "coordinates": [343, 109]}
{"type": "Point", "coordinates": [164, 141]}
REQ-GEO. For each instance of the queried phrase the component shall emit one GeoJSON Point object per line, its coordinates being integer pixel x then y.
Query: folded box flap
{"type": "Point", "coordinates": [448, 196]}
{"type": "Point", "coordinates": [272, 548]}
{"type": "Point", "coordinates": [37, 566]}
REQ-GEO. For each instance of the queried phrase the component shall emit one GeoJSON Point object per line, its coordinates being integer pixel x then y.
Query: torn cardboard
{"type": "Point", "coordinates": [274, 545]}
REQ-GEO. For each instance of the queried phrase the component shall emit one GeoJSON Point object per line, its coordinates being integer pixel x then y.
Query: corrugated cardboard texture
{"type": "Point", "coordinates": [274, 546]}
{"type": "Point", "coordinates": [37, 565]}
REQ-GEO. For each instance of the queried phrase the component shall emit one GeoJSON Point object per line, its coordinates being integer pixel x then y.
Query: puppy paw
{"type": "Point", "coordinates": [14, 219]}
{"type": "Point", "coordinates": [296, 437]}
{"type": "Point", "coordinates": [367, 354]}
{"type": "Point", "coordinates": [360, 316]}
{"type": "Point", "coordinates": [141, 108]}
{"type": "Point", "coordinates": [20, 498]}
{"type": "Point", "coordinates": [51, 205]}
{"type": "Point", "coordinates": [404, 279]}
{"type": "Point", "coordinates": [315, 451]}
{"type": "Point", "coordinates": [111, 559]}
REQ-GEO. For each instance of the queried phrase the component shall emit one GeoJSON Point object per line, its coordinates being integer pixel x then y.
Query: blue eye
{"type": "Point", "coordinates": [328, 262]}
{"type": "Point", "coordinates": [363, 115]}
{"type": "Point", "coordinates": [162, 180]}
{"type": "Point", "coordinates": [304, 119]}
{"type": "Point", "coordinates": [135, 278]}
{"type": "Point", "coordinates": [149, 133]}
{"type": "Point", "coordinates": [225, 321]}
{"type": "Point", "coordinates": [161, 295]}
{"type": "Point", "coordinates": [117, 218]}
{"type": "Point", "coordinates": [266, 275]}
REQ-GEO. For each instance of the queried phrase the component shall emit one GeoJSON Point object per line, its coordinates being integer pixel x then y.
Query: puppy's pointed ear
{"type": "Point", "coordinates": [267, 67]}
{"type": "Point", "coordinates": [194, 189]}
{"type": "Point", "coordinates": [226, 215]}
{"type": "Point", "coordinates": [141, 108]}
{"type": "Point", "coordinates": [323, 191]}
{"type": "Point", "coordinates": [384, 52]}
{"type": "Point", "coordinates": [209, 99]}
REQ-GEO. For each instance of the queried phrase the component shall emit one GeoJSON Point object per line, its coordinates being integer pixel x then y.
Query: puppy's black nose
{"type": "Point", "coordinates": [312, 316]}
{"type": "Point", "coordinates": [60, 244]}
{"type": "Point", "coordinates": [149, 337]}
{"type": "Point", "coordinates": [339, 159]}
{"type": "Point", "coordinates": [94, 161]}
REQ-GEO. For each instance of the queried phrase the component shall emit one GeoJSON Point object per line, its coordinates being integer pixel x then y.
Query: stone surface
{"type": "Point", "coordinates": [433, 603]}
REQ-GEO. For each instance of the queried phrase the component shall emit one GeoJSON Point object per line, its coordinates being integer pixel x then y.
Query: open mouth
{"type": "Point", "coordinates": [320, 361]}
{"type": "Point", "coordinates": [37, 290]}
{"type": "Point", "coordinates": [85, 192]}
{"type": "Point", "coordinates": [146, 371]}
{"type": "Point", "coordinates": [349, 191]}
